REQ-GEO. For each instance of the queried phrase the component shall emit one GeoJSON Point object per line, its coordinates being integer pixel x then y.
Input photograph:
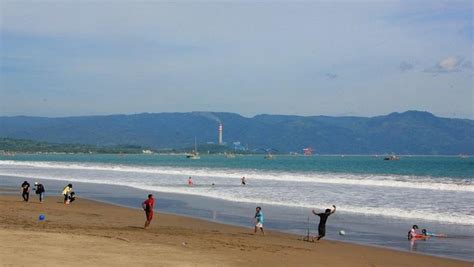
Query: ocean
{"type": "Point", "coordinates": [377, 200]}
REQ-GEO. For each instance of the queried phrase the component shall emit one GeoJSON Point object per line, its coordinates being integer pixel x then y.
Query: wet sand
{"type": "Point", "coordinates": [89, 233]}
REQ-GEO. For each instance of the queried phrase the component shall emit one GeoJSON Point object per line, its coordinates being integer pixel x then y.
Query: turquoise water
{"type": "Point", "coordinates": [451, 167]}
{"type": "Point", "coordinates": [437, 189]}
{"type": "Point", "coordinates": [377, 200]}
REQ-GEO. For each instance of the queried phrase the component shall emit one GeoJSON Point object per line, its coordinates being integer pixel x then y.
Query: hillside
{"type": "Point", "coordinates": [29, 146]}
{"type": "Point", "coordinates": [411, 132]}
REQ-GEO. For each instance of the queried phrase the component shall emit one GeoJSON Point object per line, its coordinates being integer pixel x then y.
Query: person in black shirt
{"type": "Point", "coordinates": [25, 189]}
{"type": "Point", "coordinates": [323, 217]}
{"type": "Point", "coordinates": [39, 189]}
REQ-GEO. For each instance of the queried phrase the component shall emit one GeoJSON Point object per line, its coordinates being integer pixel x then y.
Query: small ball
{"type": "Point", "coordinates": [342, 232]}
{"type": "Point", "coordinates": [41, 217]}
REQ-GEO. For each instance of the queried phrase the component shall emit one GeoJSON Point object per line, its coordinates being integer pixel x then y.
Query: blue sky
{"type": "Point", "coordinates": [63, 58]}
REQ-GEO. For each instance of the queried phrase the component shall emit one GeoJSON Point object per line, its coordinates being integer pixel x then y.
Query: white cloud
{"type": "Point", "coordinates": [449, 64]}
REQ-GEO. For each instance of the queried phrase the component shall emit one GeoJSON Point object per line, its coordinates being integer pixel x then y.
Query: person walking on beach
{"type": "Point", "coordinates": [39, 190]}
{"type": "Point", "coordinates": [66, 191]}
{"type": "Point", "coordinates": [190, 181]}
{"type": "Point", "coordinates": [242, 180]}
{"type": "Point", "coordinates": [323, 217]}
{"type": "Point", "coordinates": [259, 218]}
{"type": "Point", "coordinates": [25, 191]}
{"type": "Point", "coordinates": [148, 206]}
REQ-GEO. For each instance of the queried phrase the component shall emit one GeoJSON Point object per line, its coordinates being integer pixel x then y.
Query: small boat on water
{"type": "Point", "coordinates": [194, 154]}
{"type": "Point", "coordinates": [229, 155]}
{"type": "Point", "coordinates": [391, 157]}
{"type": "Point", "coordinates": [269, 156]}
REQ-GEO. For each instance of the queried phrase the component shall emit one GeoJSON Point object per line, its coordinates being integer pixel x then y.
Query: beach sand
{"type": "Point", "coordinates": [89, 233]}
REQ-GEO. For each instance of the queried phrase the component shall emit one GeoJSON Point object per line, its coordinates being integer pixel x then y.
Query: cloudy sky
{"type": "Point", "coordinates": [62, 58]}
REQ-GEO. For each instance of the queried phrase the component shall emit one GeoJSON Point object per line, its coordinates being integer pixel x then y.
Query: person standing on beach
{"type": "Point", "coordinates": [39, 190]}
{"type": "Point", "coordinates": [323, 217]}
{"type": "Point", "coordinates": [66, 192]}
{"type": "Point", "coordinates": [148, 206]}
{"type": "Point", "coordinates": [242, 181]}
{"type": "Point", "coordinates": [190, 181]}
{"type": "Point", "coordinates": [25, 191]}
{"type": "Point", "coordinates": [259, 218]}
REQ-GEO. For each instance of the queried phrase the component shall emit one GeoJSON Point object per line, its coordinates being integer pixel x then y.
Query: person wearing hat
{"type": "Point", "coordinates": [39, 190]}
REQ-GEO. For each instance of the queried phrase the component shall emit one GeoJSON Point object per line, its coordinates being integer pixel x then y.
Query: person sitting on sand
{"type": "Point", "coordinates": [148, 206]}
{"type": "Point", "coordinates": [190, 181]}
{"type": "Point", "coordinates": [66, 192]}
{"type": "Point", "coordinates": [259, 218]}
{"type": "Point", "coordinates": [429, 234]}
{"type": "Point", "coordinates": [71, 197]}
{"type": "Point", "coordinates": [25, 191]}
{"type": "Point", "coordinates": [242, 180]}
{"type": "Point", "coordinates": [413, 234]}
{"type": "Point", "coordinates": [39, 190]}
{"type": "Point", "coordinates": [322, 221]}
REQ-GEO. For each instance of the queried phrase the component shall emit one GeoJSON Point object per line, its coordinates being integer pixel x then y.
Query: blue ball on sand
{"type": "Point", "coordinates": [41, 217]}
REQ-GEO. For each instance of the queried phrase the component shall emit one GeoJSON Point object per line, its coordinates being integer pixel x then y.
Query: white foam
{"type": "Point", "coordinates": [398, 181]}
{"type": "Point", "coordinates": [272, 197]}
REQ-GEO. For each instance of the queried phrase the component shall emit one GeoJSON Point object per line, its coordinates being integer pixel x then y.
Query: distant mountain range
{"type": "Point", "coordinates": [411, 132]}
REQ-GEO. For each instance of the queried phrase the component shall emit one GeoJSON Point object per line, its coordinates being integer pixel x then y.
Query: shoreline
{"type": "Point", "coordinates": [109, 225]}
{"type": "Point", "coordinates": [361, 231]}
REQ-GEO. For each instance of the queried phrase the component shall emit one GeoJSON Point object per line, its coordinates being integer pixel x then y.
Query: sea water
{"type": "Point", "coordinates": [387, 195]}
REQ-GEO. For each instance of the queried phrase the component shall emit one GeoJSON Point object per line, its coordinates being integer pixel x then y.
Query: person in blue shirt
{"type": "Point", "coordinates": [259, 218]}
{"type": "Point", "coordinates": [429, 234]}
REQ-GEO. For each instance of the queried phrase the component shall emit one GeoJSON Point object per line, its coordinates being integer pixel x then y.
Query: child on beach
{"type": "Point", "coordinates": [242, 180]}
{"type": "Point", "coordinates": [66, 192]}
{"type": "Point", "coordinates": [190, 181]}
{"type": "Point", "coordinates": [71, 197]}
{"type": "Point", "coordinates": [412, 234]}
{"type": "Point", "coordinates": [25, 189]}
{"type": "Point", "coordinates": [322, 221]}
{"type": "Point", "coordinates": [429, 234]}
{"type": "Point", "coordinates": [39, 190]}
{"type": "Point", "coordinates": [259, 218]}
{"type": "Point", "coordinates": [148, 206]}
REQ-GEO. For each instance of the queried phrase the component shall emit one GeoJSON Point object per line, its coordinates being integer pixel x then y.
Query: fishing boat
{"type": "Point", "coordinates": [229, 155]}
{"type": "Point", "coordinates": [269, 156]}
{"type": "Point", "coordinates": [194, 154]}
{"type": "Point", "coordinates": [391, 157]}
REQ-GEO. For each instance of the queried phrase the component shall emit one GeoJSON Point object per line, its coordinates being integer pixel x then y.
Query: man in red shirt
{"type": "Point", "coordinates": [147, 206]}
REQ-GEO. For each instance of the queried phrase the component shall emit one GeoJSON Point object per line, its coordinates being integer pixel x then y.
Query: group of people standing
{"type": "Point", "coordinates": [69, 195]}
{"type": "Point", "coordinates": [39, 190]}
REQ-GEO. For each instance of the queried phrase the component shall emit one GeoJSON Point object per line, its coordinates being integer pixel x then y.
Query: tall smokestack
{"type": "Point", "coordinates": [220, 133]}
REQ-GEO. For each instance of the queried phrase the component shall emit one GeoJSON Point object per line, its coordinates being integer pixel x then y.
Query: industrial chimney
{"type": "Point", "coordinates": [220, 133]}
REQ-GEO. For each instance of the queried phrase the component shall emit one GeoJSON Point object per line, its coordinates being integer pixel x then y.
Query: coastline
{"type": "Point", "coordinates": [372, 231]}
{"type": "Point", "coordinates": [103, 232]}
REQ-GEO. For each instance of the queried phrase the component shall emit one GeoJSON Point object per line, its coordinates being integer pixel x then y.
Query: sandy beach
{"type": "Point", "coordinates": [92, 233]}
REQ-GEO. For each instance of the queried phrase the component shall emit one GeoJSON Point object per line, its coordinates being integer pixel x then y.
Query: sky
{"type": "Point", "coordinates": [338, 58]}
